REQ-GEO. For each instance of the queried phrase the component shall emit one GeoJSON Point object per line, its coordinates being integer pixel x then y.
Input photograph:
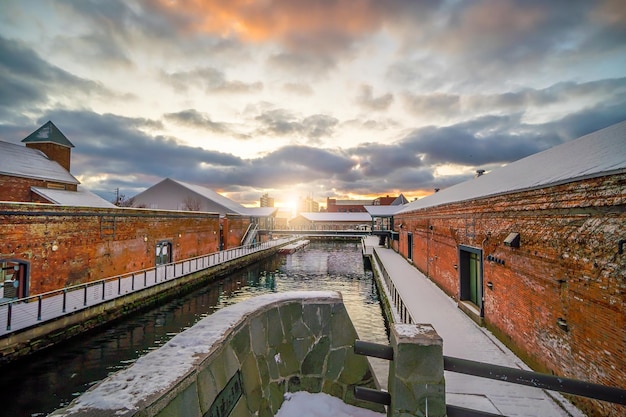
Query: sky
{"type": "Point", "coordinates": [350, 99]}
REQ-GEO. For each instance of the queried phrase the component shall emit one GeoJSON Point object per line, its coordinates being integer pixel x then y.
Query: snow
{"type": "Point", "coordinates": [161, 368]}
{"type": "Point", "coordinates": [412, 330]}
{"type": "Point", "coordinates": [599, 153]}
{"type": "Point", "coordinates": [306, 404]}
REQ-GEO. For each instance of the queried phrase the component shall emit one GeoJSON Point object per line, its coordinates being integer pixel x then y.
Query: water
{"type": "Point", "coordinates": [49, 380]}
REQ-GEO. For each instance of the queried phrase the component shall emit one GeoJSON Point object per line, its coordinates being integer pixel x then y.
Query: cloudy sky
{"type": "Point", "coordinates": [347, 99]}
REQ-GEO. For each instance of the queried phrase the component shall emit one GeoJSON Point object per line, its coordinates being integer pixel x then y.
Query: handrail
{"type": "Point", "coordinates": [500, 373]}
{"type": "Point", "coordinates": [535, 379]}
{"type": "Point", "coordinates": [26, 312]}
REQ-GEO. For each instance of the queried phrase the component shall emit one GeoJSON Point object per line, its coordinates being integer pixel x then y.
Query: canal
{"type": "Point", "coordinates": [49, 380]}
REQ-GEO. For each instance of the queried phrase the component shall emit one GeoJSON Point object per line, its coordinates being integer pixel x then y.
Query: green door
{"type": "Point", "coordinates": [474, 278]}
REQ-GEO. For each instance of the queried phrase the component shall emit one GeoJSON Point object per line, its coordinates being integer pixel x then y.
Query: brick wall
{"type": "Point", "coordinates": [567, 267]}
{"type": "Point", "coordinates": [18, 189]}
{"type": "Point", "coordinates": [69, 245]}
{"type": "Point", "coordinates": [58, 153]}
{"type": "Point", "coordinates": [234, 228]}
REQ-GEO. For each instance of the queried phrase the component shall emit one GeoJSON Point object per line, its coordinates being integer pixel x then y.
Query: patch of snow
{"type": "Point", "coordinates": [159, 369]}
{"type": "Point", "coordinates": [413, 330]}
{"type": "Point", "coordinates": [306, 404]}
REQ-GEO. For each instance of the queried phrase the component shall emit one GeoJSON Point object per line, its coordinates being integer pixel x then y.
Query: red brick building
{"type": "Point", "coordinates": [535, 251]}
{"type": "Point", "coordinates": [75, 236]}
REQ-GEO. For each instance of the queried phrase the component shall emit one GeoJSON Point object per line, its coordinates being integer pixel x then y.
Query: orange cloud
{"type": "Point", "coordinates": [290, 22]}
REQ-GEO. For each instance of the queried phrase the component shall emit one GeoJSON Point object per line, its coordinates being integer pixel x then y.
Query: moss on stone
{"type": "Point", "coordinates": [288, 364]}
{"type": "Point", "coordinates": [302, 346]}
{"type": "Point", "coordinates": [241, 342]}
{"type": "Point", "coordinates": [258, 334]}
{"type": "Point", "coordinates": [275, 333]}
{"type": "Point", "coordinates": [355, 370]}
{"type": "Point", "coordinates": [334, 364]}
{"type": "Point", "coordinates": [251, 382]}
{"type": "Point", "coordinates": [207, 389]}
{"type": "Point", "coordinates": [183, 404]}
{"type": "Point", "coordinates": [313, 363]}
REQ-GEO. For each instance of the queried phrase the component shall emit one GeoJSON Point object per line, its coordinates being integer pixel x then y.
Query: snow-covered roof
{"type": "Point", "coordinates": [167, 194]}
{"type": "Point", "coordinates": [20, 161]}
{"type": "Point", "coordinates": [79, 198]}
{"type": "Point", "coordinates": [213, 196]}
{"type": "Point", "coordinates": [383, 211]}
{"type": "Point", "coordinates": [336, 217]}
{"type": "Point", "coordinates": [596, 154]}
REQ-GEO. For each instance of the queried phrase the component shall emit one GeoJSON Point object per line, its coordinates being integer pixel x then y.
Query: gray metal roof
{"type": "Point", "coordinates": [80, 198]}
{"type": "Point", "coordinates": [166, 193]}
{"type": "Point", "coordinates": [383, 211]}
{"type": "Point", "coordinates": [20, 161]}
{"type": "Point", "coordinates": [336, 217]}
{"type": "Point", "coordinates": [48, 133]}
{"type": "Point", "coordinates": [594, 155]}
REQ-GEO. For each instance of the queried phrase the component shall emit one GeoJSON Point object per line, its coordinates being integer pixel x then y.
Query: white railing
{"type": "Point", "coordinates": [32, 311]}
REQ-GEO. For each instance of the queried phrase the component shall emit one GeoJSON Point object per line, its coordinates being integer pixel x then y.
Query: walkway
{"type": "Point", "coordinates": [463, 338]}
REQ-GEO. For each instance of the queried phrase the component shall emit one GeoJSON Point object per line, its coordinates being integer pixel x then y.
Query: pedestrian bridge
{"type": "Point", "coordinates": [326, 233]}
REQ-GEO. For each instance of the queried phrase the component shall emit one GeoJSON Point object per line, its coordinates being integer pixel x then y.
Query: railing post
{"type": "Point", "coordinates": [85, 297]}
{"type": "Point", "coordinates": [9, 312]}
{"type": "Point", "coordinates": [39, 298]}
{"type": "Point", "coordinates": [416, 383]}
{"type": "Point", "coordinates": [64, 299]}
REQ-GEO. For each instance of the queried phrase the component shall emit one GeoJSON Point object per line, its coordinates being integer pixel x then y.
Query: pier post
{"type": "Point", "coordinates": [416, 382]}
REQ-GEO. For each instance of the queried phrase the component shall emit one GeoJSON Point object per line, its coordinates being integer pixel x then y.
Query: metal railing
{"type": "Point", "coordinates": [31, 311]}
{"type": "Point", "coordinates": [396, 298]}
{"type": "Point", "coordinates": [490, 371]}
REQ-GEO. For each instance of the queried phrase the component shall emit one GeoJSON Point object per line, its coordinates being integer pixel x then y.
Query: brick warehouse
{"type": "Point", "coordinates": [61, 246]}
{"type": "Point", "coordinates": [540, 262]}
{"type": "Point", "coordinates": [55, 234]}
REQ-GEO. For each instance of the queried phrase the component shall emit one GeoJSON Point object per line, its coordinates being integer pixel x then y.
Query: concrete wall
{"type": "Point", "coordinates": [567, 267]}
{"type": "Point", "coordinates": [71, 245]}
{"type": "Point", "coordinates": [276, 343]}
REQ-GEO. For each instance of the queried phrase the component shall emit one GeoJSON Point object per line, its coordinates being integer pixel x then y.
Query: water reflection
{"type": "Point", "coordinates": [49, 380]}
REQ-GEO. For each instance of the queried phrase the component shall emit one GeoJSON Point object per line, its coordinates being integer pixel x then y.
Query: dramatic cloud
{"type": "Point", "coordinates": [327, 98]}
{"type": "Point", "coordinates": [367, 100]}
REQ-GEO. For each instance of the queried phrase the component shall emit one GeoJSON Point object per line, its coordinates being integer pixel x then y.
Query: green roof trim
{"type": "Point", "coordinates": [48, 133]}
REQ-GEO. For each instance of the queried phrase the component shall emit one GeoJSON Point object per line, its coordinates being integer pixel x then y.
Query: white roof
{"type": "Point", "coordinates": [596, 154]}
{"type": "Point", "coordinates": [213, 196]}
{"type": "Point", "coordinates": [80, 198]}
{"type": "Point", "coordinates": [20, 161]}
{"type": "Point", "coordinates": [336, 217]}
{"type": "Point", "coordinates": [383, 211]}
{"type": "Point", "coordinates": [218, 202]}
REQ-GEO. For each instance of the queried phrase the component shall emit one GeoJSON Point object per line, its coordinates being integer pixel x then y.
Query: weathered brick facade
{"type": "Point", "coordinates": [71, 245]}
{"type": "Point", "coordinates": [55, 152]}
{"type": "Point", "coordinates": [566, 270]}
{"type": "Point", "coordinates": [18, 189]}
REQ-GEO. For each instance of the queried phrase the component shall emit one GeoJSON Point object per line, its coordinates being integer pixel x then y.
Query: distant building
{"type": "Point", "coordinates": [331, 221]}
{"type": "Point", "coordinates": [308, 205]}
{"type": "Point", "coordinates": [267, 201]}
{"type": "Point", "coordinates": [359, 206]}
{"type": "Point", "coordinates": [390, 201]}
{"type": "Point", "coordinates": [346, 206]}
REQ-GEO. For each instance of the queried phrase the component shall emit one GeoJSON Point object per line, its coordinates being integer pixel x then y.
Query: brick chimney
{"type": "Point", "coordinates": [49, 140]}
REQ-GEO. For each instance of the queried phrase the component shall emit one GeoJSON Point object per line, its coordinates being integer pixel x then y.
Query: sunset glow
{"type": "Point", "coordinates": [341, 99]}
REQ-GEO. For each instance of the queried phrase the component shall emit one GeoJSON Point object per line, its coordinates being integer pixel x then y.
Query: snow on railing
{"type": "Point", "coordinates": [31, 311]}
